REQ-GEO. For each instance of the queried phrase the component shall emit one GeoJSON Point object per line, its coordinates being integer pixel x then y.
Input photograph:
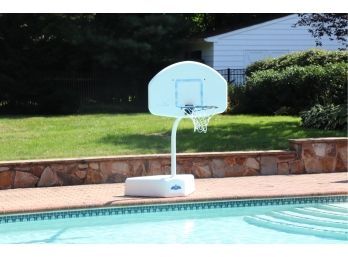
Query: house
{"type": "Point", "coordinates": [235, 50]}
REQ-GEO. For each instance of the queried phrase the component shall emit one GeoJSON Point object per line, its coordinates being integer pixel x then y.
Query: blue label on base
{"type": "Point", "coordinates": [175, 187]}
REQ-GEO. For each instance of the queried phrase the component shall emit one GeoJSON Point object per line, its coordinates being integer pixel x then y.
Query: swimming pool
{"type": "Point", "coordinates": [322, 219]}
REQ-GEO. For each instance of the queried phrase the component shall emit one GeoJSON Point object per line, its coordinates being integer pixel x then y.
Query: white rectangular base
{"type": "Point", "coordinates": [160, 186]}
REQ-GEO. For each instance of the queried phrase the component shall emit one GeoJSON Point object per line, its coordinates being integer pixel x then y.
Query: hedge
{"type": "Point", "coordinates": [305, 58]}
{"type": "Point", "coordinates": [294, 88]}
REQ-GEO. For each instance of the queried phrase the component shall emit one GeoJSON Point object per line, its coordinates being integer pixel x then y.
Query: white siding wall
{"type": "Point", "coordinates": [239, 49]}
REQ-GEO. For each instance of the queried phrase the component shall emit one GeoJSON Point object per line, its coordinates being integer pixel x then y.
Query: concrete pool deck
{"type": "Point", "coordinates": [106, 195]}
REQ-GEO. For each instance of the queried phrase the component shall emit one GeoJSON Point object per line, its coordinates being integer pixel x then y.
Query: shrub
{"type": "Point", "coordinates": [325, 117]}
{"type": "Point", "coordinates": [294, 88]}
{"type": "Point", "coordinates": [236, 99]}
{"type": "Point", "coordinates": [305, 58]}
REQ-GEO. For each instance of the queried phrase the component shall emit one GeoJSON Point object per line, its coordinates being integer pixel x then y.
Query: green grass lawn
{"type": "Point", "coordinates": [106, 134]}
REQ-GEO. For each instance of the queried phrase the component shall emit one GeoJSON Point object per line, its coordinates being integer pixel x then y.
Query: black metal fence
{"type": "Point", "coordinates": [235, 76]}
{"type": "Point", "coordinates": [71, 90]}
{"type": "Point", "coordinates": [84, 85]}
{"type": "Point", "coordinates": [94, 87]}
{"type": "Point", "coordinates": [108, 88]}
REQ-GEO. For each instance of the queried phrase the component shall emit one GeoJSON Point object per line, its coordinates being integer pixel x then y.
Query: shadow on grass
{"type": "Point", "coordinates": [230, 137]}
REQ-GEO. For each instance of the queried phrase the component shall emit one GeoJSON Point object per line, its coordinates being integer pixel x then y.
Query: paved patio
{"type": "Point", "coordinates": [104, 195]}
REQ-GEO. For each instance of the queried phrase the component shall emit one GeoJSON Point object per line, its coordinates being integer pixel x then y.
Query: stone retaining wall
{"type": "Point", "coordinates": [319, 155]}
{"type": "Point", "coordinates": [307, 156]}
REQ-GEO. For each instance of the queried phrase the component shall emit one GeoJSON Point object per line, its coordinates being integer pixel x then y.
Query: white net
{"type": "Point", "coordinates": [200, 116]}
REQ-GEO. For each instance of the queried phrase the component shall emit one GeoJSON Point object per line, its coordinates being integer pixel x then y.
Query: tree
{"type": "Point", "coordinates": [129, 47]}
{"type": "Point", "coordinates": [333, 25]}
{"type": "Point", "coordinates": [31, 47]}
{"type": "Point", "coordinates": [206, 24]}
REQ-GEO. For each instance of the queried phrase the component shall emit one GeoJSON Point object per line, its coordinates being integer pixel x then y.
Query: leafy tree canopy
{"type": "Point", "coordinates": [130, 47]}
{"type": "Point", "coordinates": [333, 25]}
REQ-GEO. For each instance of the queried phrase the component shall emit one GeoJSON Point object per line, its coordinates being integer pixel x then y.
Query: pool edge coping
{"type": "Point", "coordinates": [159, 201]}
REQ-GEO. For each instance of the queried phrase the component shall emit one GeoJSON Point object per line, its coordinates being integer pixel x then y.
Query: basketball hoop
{"type": "Point", "coordinates": [182, 90]}
{"type": "Point", "coordinates": [200, 116]}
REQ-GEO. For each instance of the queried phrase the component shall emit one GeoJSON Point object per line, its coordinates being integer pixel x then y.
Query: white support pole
{"type": "Point", "coordinates": [173, 147]}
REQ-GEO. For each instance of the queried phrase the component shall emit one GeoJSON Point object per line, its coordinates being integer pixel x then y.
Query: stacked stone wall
{"type": "Point", "coordinates": [306, 156]}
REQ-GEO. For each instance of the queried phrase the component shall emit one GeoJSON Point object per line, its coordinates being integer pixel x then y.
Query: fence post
{"type": "Point", "coordinates": [228, 75]}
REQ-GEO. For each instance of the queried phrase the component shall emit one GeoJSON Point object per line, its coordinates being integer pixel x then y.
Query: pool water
{"type": "Point", "coordinates": [313, 223]}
